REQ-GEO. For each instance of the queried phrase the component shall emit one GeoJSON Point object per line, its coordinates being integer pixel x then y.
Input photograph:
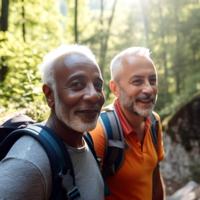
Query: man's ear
{"type": "Point", "coordinates": [114, 88]}
{"type": "Point", "coordinates": [48, 92]}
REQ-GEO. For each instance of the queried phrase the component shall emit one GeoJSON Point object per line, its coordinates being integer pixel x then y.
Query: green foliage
{"type": "Point", "coordinates": [22, 85]}
{"type": "Point", "coordinates": [171, 32]}
{"type": "Point", "coordinates": [42, 21]}
{"type": "Point", "coordinates": [22, 81]}
{"type": "Point", "coordinates": [174, 42]}
{"type": "Point", "coordinates": [29, 38]}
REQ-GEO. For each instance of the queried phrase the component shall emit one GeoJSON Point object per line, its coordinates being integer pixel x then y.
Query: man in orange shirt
{"type": "Point", "coordinates": [135, 85]}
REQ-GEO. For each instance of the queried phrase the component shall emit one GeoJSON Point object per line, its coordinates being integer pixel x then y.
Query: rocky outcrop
{"type": "Point", "coordinates": [190, 191]}
{"type": "Point", "coordinates": [182, 146]}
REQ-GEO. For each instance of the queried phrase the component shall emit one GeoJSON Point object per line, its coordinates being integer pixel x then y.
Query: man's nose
{"type": "Point", "coordinates": [147, 87]}
{"type": "Point", "coordinates": [92, 94]}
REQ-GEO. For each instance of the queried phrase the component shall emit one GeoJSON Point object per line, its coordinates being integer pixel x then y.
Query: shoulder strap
{"type": "Point", "coordinates": [64, 160]}
{"type": "Point", "coordinates": [90, 144]}
{"type": "Point", "coordinates": [55, 150]}
{"type": "Point", "coordinates": [154, 130]}
{"type": "Point", "coordinates": [115, 142]}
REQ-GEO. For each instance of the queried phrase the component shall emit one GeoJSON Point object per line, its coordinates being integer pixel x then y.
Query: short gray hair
{"type": "Point", "coordinates": [52, 57]}
{"type": "Point", "coordinates": [116, 62]}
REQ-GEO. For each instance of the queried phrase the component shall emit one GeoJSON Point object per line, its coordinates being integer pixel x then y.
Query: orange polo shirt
{"type": "Point", "coordinates": [133, 181]}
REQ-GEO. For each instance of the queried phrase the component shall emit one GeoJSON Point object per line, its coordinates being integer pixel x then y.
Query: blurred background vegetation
{"type": "Point", "coordinates": [31, 28]}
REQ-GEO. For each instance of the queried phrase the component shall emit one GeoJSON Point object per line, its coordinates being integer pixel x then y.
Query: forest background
{"type": "Point", "coordinates": [31, 28]}
{"type": "Point", "coordinates": [169, 28]}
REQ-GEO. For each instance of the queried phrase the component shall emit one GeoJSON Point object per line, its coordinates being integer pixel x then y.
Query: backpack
{"type": "Point", "coordinates": [60, 161]}
{"type": "Point", "coordinates": [115, 140]}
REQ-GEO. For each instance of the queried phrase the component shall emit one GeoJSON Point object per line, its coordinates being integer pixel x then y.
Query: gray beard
{"type": "Point", "coordinates": [71, 120]}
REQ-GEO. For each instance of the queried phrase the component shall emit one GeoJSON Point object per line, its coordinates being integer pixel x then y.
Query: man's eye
{"type": "Point", "coordinates": [77, 85]}
{"type": "Point", "coordinates": [137, 82]}
{"type": "Point", "coordinates": [153, 81]}
{"type": "Point", "coordinates": [98, 85]}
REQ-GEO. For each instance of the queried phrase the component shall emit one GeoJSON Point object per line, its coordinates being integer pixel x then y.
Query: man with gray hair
{"type": "Point", "coordinates": [126, 139]}
{"type": "Point", "coordinates": [72, 85]}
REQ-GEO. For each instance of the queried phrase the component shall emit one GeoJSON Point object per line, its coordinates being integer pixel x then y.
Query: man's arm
{"type": "Point", "coordinates": [158, 185]}
{"type": "Point", "coordinates": [25, 172]}
{"type": "Point", "coordinates": [20, 179]}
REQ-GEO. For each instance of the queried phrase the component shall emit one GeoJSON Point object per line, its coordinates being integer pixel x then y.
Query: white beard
{"type": "Point", "coordinates": [131, 105]}
{"type": "Point", "coordinates": [141, 111]}
{"type": "Point", "coordinates": [70, 119]}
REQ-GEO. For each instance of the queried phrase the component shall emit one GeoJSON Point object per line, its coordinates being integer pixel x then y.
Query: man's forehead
{"type": "Point", "coordinates": [76, 58]}
{"type": "Point", "coordinates": [132, 59]}
{"type": "Point", "coordinates": [75, 65]}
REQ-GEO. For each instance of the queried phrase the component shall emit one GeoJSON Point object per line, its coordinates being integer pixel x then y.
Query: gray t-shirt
{"type": "Point", "coordinates": [25, 173]}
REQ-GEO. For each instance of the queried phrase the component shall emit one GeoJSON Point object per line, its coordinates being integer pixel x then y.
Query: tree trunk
{"type": "Point", "coordinates": [23, 21]}
{"type": "Point", "coordinates": [76, 39]}
{"type": "Point", "coordinates": [4, 15]}
{"type": "Point", "coordinates": [145, 21]}
{"type": "Point", "coordinates": [177, 70]}
{"type": "Point", "coordinates": [164, 47]}
{"type": "Point", "coordinates": [106, 35]}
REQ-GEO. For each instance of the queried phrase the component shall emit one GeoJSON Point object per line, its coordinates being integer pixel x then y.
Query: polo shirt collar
{"type": "Point", "coordinates": [126, 127]}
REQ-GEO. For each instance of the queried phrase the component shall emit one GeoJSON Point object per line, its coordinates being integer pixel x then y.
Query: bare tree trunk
{"type": "Point", "coordinates": [23, 22]}
{"type": "Point", "coordinates": [4, 15]}
{"type": "Point", "coordinates": [3, 68]}
{"type": "Point", "coordinates": [164, 47]}
{"type": "Point", "coordinates": [145, 22]}
{"type": "Point", "coordinates": [4, 28]}
{"type": "Point", "coordinates": [106, 35]}
{"type": "Point", "coordinates": [76, 39]}
{"type": "Point", "coordinates": [101, 21]}
{"type": "Point", "coordinates": [177, 70]}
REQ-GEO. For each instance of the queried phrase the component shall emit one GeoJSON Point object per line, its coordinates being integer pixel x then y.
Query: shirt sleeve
{"type": "Point", "coordinates": [20, 179]}
{"type": "Point", "coordinates": [25, 172]}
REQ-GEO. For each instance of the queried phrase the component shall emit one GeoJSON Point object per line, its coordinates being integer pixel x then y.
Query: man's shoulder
{"type": "Point", "coordinates": [28, 149]}
{"type": "Point", "coordinates": [28, 163]}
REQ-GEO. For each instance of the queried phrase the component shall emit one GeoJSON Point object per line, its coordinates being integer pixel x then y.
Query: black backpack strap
{"type": "Point", "coordinates": [154, 130]}
{"type": "Point", "coordinates": [154, 135]}
{"type": "Point", "coordinates": [72, 193]}
{"type": "Point", "coordinates": [58, 156]}
{"type": "Point", "coordinates": [114, 152]}
{"type": "Point", "coordinates": [115, 142]}
{"type": "Point", "coordinates": [90, 144]}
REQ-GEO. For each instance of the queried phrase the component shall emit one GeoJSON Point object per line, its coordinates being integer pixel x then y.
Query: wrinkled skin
{"type": "Point", "coordinates": [76, 97]}
{"type": "Point", "coordinates": [136, 86]}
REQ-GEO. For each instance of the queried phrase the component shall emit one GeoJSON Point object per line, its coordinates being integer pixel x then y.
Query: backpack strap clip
{"type": "Point", "coordinates": [73, 194]}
